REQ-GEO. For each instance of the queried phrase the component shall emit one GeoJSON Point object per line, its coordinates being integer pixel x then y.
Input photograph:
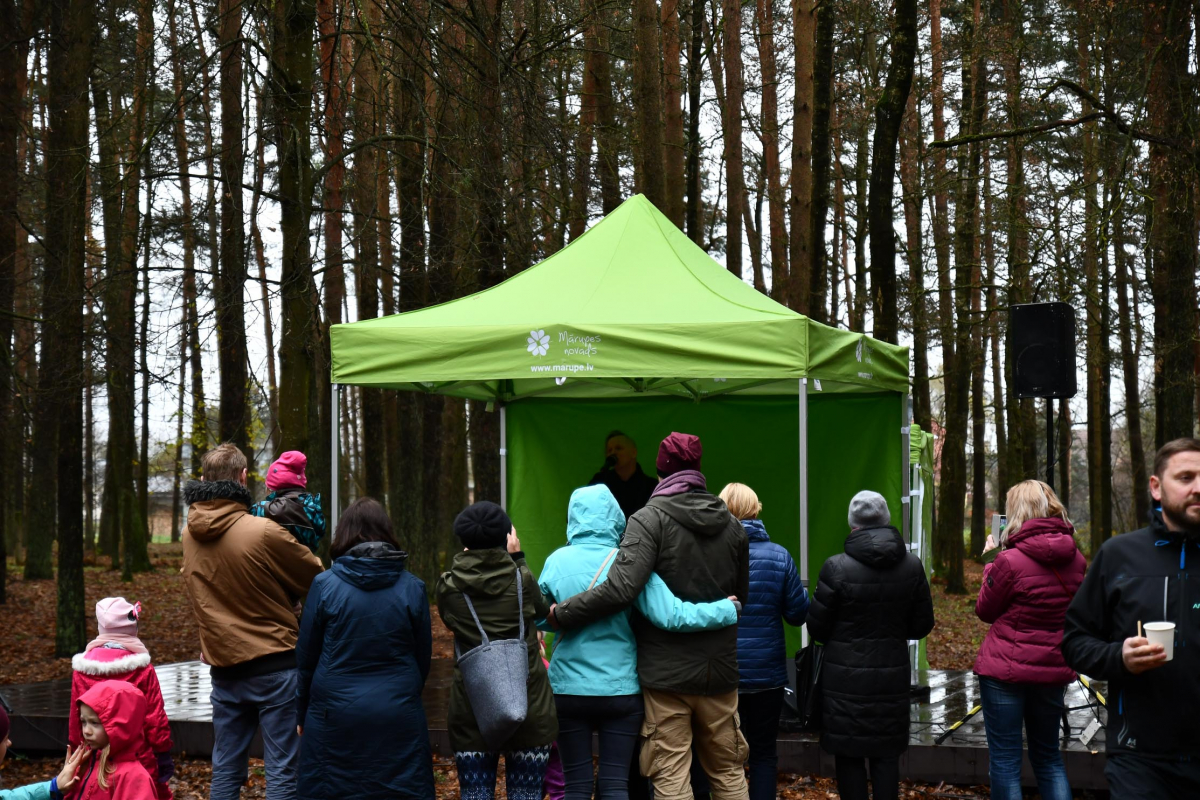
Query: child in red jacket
{"type": "Point", "coordinates": [112, 717]}
{"type": "Point", "coordinates": [118, 654]}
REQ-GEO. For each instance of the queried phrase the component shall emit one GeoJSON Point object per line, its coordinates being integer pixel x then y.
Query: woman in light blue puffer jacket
{"type": "Point", "coordinates": [594, 669]}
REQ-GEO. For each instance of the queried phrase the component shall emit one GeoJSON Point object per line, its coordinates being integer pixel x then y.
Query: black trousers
{"type": "Point", "coordinates": [1135, 776]}
{"type": "Point", "coordinates": [618, 721]}
{"type": "Point", "coordinates": [852, 777]}
{"type": "Point", "coordinates": [759, 713]}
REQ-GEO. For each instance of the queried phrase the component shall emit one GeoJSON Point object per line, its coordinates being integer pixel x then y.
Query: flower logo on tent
{"type": "Point", "coordinates": [538, 343]}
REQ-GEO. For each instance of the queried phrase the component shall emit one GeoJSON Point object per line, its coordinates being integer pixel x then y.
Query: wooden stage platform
{"type": "Point", "coordinates": [39, 723]}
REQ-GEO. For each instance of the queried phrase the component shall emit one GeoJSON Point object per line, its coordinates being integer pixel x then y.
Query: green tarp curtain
{"type": "Point", "coordinates": [554, 446]}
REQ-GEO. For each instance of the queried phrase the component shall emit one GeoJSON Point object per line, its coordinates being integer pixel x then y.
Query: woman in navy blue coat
{"type": "Point", "coordinates": [776, 595]}
{"type": "Point", "coordinates": [364, 651]}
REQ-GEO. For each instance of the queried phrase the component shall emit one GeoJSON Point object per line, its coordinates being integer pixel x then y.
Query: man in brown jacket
{"type": "Point", "coordinates": [244, 576]}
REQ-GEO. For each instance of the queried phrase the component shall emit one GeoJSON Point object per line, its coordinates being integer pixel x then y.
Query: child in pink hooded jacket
{"type": "Point", "coordinates": [118, 654]}
{"type": "Point", "coordinates": [113, 720]}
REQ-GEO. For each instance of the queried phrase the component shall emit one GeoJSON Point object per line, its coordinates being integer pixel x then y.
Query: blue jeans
{"type": "Point", "coordinates": [240, 707]}
{"type": "Point", "coordinates": [1005, 707]}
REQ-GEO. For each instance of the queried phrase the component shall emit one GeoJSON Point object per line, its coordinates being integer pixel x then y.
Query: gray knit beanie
{"type": "Point", "coordinates": [868, 510]}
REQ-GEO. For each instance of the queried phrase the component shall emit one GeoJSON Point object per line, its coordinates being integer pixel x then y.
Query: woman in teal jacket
{"type": "Point", "coordinates": [594, 669]}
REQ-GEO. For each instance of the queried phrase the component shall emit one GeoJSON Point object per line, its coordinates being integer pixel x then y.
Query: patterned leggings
{"type": "Point", "coordinates": [524, 770]}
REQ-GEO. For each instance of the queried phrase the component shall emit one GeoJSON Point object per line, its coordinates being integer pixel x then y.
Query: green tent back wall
{"type": "Point", "coordinates": [632, 326]}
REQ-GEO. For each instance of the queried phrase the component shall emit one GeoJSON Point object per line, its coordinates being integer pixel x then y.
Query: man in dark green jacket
{"type": "Point", "coordinates": [689, 680]}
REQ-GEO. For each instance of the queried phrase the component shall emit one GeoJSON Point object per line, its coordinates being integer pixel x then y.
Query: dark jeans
{"type": "Point", "coordinates": [239, 708]}
{"type": "Point", "coordinates": [1008, 706]}
{"type": "Point", "coordinates": [852, 778]}
{"type": "Point", "coordinates": [618, 721]}
{"type": "Point", "coordinates": [759, 713]}
{"type": "Point", "coordinates": [1132, 777]}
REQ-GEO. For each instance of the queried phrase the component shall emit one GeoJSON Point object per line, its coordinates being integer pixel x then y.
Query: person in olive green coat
{"type": "Point", "coordinates": [486, 572]}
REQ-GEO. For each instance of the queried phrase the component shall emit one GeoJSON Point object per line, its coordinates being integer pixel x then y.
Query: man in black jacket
{"type": "Point", "coordinates": [689, 680]}
{"type": "Point", "coordinates": [623, 475]}
{"type": "Point", "coordinates": [1153, 740]}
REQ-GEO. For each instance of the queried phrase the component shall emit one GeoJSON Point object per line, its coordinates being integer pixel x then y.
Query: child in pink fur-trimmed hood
{"type": "Point", "coordinates": [118, 654]}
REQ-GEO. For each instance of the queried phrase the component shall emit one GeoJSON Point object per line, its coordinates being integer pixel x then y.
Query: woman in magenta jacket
{"type": "Point", "coordinates": [1025, 594]}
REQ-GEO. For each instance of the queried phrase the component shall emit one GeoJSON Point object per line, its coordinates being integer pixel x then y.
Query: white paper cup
{"type": "Point", "coordinates": [1162, 633]}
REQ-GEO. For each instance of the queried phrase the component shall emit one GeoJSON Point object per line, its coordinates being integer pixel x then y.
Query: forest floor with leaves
{"type": "Point", "coordinates": [169, 630]}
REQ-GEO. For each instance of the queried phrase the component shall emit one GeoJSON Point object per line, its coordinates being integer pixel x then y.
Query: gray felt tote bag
{"type": "Point", "coordinates": [495, 675]}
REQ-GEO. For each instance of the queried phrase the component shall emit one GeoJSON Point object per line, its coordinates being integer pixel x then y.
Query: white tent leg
{"type": "Point", "coordinates": [804, 479]}
{"type": "Point", "coordinates": [503, 458]}
{"type": "Point", "coordinates": [803, 463]}
{"type": "Point", "coordinates": [335, 415]}
{"type": "Point", "coordinates": [905, 485]}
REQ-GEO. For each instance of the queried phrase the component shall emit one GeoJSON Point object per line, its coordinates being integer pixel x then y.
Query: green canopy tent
{"type": "Point", "coordinates": [634, 327]}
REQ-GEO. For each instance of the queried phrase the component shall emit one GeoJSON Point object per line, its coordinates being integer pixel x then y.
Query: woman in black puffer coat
{"type": "Point", "coordinates": [869, 602]}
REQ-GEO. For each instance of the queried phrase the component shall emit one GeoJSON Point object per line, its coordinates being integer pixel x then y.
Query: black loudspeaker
{"type": "Point", "coordinates": [1041, 344]}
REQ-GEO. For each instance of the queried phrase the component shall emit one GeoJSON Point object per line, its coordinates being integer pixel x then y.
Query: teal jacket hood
{"type": "Point", "coordinates": [594, 517]}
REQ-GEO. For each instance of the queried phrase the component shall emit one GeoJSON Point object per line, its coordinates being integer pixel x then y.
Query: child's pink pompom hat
{"type": "Point", "coordinates": [287, 470]}
{"type": "Point", "coordinates": [117, 615]}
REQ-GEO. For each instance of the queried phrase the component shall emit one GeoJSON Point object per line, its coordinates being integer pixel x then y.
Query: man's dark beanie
{"type": "Point", "coordinates": [482, 525]}
{"type": "Point", "coordinates": [678, 452]}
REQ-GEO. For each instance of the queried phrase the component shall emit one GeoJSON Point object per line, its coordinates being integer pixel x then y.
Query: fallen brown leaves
{"type": "Point", "coordinates": [192, 778]}
{"type": "Point", "coordinates": [957, 632]}
{"type": "Point", "coordinates": [167, 626]}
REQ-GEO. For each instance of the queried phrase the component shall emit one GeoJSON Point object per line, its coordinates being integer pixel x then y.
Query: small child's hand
{"type": "Point", "coordinates": [67, 778]}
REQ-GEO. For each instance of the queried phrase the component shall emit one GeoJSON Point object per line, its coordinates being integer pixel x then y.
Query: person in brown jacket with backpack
{"type": "Point", "coordinates": [244, 576]}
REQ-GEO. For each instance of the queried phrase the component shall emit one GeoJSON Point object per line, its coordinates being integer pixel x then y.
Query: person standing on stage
{"type": "Point", "coordinates": [623, 475]}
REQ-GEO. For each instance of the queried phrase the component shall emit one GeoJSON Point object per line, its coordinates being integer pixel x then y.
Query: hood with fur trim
{"type": "Point", "coordinates": [214, 506]}
{"type": "Point", "coordinates": [108, 662]}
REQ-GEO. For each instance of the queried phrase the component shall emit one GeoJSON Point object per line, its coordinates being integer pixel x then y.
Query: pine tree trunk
{"type": "Point", "coordinates": [958, 368]}
{"type": "Point", "coordinates": [1129, 372]}
{"type": "Point", "coordinates": [199, 429]}
{"type": "Point", "coordinates": [858, 315]}
{"type": "Point", "coordinates": [800, 182]}
{"type": "Point", "coordinates": [940, 180]}
{"type": "Point", "coordinates": [607, 136]}
{"type": "Point", "coordinates": [822, 105]}
{"type": "Point", "coordinates": [735, 180]}
{"type": "Point", "coordinates": [910, 182]}
{"type": "Point", "coordinates": [177, 474]}
{"type": "Point", "coordinates": [408, 505]}
{"type": "Point", "coordinates": [588, 103]}
{"type": "Point", "coordinates": [889, 112]}
{"type": "Point", "coordinates": [484, 430]}
{"type": "Point", "coordinates": [300, 356]}
{"type": "Point", "coordinates": [672, 90]}
{"type": "Point", "coordinates": [260, 258]}
{"type": "Point", "coordinates": [234, 413]}
{"type": "Point", "coordinates": [58, 414]}
{"type": "Point", "coordinates": [695, 200]}
{"type": "Point", "coordinates": [10, 173]}
{"type": "Point", "coordinates": [648, 103]}
{"type": "Point", "coordinates": [765, 22]}
{"type": "Point", "coordinates": [1170, 98]}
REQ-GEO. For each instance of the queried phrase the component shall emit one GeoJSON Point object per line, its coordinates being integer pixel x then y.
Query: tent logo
{"type": "Point", "coordinates": [538, 343]}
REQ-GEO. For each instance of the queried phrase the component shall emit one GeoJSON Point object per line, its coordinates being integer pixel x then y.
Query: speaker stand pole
{"type": "Point", "coordinates": [1050, 442]}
